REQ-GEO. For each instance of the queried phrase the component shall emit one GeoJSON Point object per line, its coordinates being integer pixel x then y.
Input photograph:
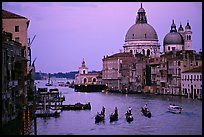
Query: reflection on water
{"type": "Point", "coordinates": [162, 122]}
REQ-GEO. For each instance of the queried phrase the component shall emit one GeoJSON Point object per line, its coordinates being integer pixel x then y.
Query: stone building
{"type": "Point", "coordinates": [13, 80]}
{"type": "Point", "coordinates": [155, 74]}
{"type": "Point", "coordinates": [17, 72]}
{"type": "Point", "coordinates": [178, 56]}
{"type": "Point", "coordinates": [191, 83]}
{"type": "Point", "coordinates": [172, 65]}
{"type": "Point", "coordinates": [86, 78]}
{"type": "Point", "coordinates": [116, 71]}
{"type": "Point", "coordinates": [18, 26]}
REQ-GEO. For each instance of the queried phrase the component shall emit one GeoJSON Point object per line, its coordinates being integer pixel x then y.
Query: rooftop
{"type": "Point", "coordinates": [10, 15]}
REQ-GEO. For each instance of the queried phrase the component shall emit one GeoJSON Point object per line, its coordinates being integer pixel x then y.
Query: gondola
{"type": "Point", "coordinates": [129, 117]}
{"type": "Point", "coordinates": [113, 117]}
{"type": "Point", "coordinates": [146, 112]}
{"type": "Point", "coordinates": [100, 117]}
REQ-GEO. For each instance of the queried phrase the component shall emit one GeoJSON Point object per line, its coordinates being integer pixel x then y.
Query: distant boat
{"type": "Point", "coordinates": [49, 82]}
{"type": "Point", "coordinates": [175, 108]}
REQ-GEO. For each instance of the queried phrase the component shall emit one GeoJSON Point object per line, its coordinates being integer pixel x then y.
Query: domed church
{"type": "Point", "coordinates": [181, 40]}
{"type": "Point", "coordinates": [142, 37]}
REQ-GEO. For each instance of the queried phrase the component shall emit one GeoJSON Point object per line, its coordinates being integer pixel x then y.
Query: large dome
{"type": "Point", "coordinates": [141, 31]}
{"type": "Point", "coordinates": [173, 38]}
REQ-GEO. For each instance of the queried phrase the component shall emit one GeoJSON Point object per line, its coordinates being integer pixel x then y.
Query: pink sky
{"type": "Point", "coordinates": [68, 32]}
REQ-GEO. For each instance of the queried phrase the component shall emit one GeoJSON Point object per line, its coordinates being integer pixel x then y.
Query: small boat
{"type": "Point", "coordinates": [175, 108]}
{"type": "Point", "coordinates": [114, 116]}
{"type": "Point", "coordinates": [48, 83]}
{"type": "Point", "coordinates": [129, 117]}
{"type": "Point", "coordinates": [100, 117]}
{"type": "Point", "coordinates": [146, 112]}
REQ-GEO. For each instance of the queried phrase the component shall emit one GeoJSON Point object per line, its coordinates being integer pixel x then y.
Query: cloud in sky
{"type": "Point", "coordinates": [67, 32]}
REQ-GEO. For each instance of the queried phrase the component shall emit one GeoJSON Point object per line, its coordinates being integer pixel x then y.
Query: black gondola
{"type": "Point", "coordinates": [146, 112]}
{"type": "Point", "coordinates": [100, 117]}
{"type": "Point", "coordinates": [129, 117]}
{"type": "Point", "coordinates": [114, 116]}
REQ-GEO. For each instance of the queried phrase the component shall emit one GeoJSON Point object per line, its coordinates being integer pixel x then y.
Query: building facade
{"type": "Point", "coordinates": [13, 80]}
{"type": "Point", "coordinates": [117, 71]}
{"type": "Point", "coordinates": [172, 65]}
{"type": "Point", "coordinates": [17, 72]}
{"type": "Point", "coordinates": [86, 78]}
{"type": "Point", "coordinates": [191, 83]}
{"type": "Point", "coordinates": [18, 26]}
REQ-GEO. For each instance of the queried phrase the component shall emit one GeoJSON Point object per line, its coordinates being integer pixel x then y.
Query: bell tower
{"type": "Point", "coordinates": [83, 69]}
{"type": "Point", "coordinates": [188, 37]}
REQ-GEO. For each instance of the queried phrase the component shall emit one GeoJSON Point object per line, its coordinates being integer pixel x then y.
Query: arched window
{"type": "Point", "coordinates": [178, 63]}
{"type": "Point", "coordinates": [189, 37]}
{"type": "Point", "coordinates": [179, 71]}
{"type": "Point", "coordinates": [130, 51]}
{"type": "Point", "coordinates": [84, 71]}
{"type": "Point", "coordinates": [94, 80]}
{"type": "Point", "coordinates": [143, 51]}
{"type": "Point", "coordinates": [148, 52]}
{"type": "Point", "coordinates": [85, 80]}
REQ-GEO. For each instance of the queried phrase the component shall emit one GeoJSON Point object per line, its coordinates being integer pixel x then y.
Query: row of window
{"type": "Point", "coordinates": [196, 91]}
{"type": "Point", "coordinates": [191, 85]}
{"type": "Point", "coordinates": [190, 77]}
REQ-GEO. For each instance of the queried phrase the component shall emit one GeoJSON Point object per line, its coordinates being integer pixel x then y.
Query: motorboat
{"type": "Point", "coordinates": [175, 108]}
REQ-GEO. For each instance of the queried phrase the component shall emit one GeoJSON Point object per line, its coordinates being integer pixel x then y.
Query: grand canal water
{"type": "Point", "coordinates": [162, 122]}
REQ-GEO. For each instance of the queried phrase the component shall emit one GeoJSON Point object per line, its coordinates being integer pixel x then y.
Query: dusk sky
{"type": "Point", "coordinates": [67, 32]}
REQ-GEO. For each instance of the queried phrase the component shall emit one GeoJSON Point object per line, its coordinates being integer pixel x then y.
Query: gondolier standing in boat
{"type": "Point", "coordinates": [103, 110]}
{"type": "Point", "coordinates": [145, 107]}
{"type": "Point", "coordinates": [116, 111]}
{"type": "Point", "coordinates": [129, 110]}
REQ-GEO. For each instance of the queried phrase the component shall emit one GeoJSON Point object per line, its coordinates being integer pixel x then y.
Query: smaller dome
{"type": "Point", "coordinates": [173, 38]}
